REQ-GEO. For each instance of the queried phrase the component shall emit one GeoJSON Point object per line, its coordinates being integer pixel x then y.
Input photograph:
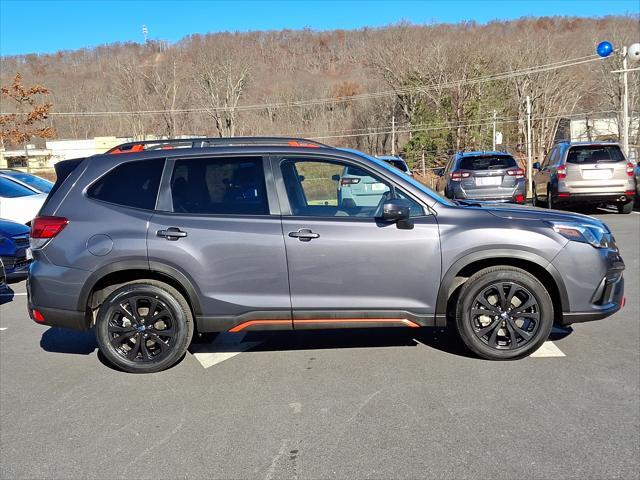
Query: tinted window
{"type": "Point", "coordinates": [594, 154]}
{"type": "Point", "coordinates": [38, 183]}
{"type": "Point", "coordinates": [399, 164]}
{"type": "Point", "coordinates": [219, 186]}
{"type": "Point", "coordinates": [493, 162]}
{"type": "Point", "coordinates": [132, 184]}
{"type": "Point", "coordinates": [11, 189]}
{"type": "Point", "coordinates": [333, 189]}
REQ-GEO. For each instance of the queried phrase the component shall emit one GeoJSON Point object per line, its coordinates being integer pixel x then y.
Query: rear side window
{"type": "Point", "coordinates": [490, 162]}
{"type": "Point", "coordinates": [11, 189]}
{"type": "Point", "coordinates": [589, 154]}
{"type": "Point", "coordinates": [213, 186]}
{"type": "Point", "coordinates": [132, 184]}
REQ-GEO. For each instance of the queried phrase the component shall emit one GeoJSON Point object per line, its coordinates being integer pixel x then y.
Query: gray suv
{"type": "Point", "coordinates": [250, 234]}
{"type": "Point", "coordinates": [583, 173]}
{"type": "Point", "coordinates": [485, 176]}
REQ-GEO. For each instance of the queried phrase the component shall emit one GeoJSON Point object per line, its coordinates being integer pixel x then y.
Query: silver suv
{"type": "Point", "coordinates": [253, 233]}
{"type": "Point", "coordinates": [583, 173]}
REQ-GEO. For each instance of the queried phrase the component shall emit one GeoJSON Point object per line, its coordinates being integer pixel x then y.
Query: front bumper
{"type": "Point", "coordinates": [594, 282]}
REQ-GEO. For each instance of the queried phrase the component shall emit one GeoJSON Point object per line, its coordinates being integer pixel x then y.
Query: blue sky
{"type": "Point", "coordinates": [48, 26]}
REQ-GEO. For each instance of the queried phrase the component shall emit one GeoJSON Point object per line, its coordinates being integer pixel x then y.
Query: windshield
{"type": "Point", "coordinates": [11, 189]}
{"type": "Point", "coordinates": [38, 183]}
{"type": "Point", "coordinates": [488, 162]}
{"type": "Point", "coordinates": [431, 193]}
{"type": "Point", "coordinates": [589, 154]}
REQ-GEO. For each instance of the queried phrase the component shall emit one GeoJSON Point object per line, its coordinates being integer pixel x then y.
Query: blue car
{"type": "Point", "coordinates": [14, 244]}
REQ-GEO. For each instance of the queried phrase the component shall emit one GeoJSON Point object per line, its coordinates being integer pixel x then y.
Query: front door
{"type": "Point", "coordinates": [223, 234]}
{"type": "Point", "coordinates": [346, 266]}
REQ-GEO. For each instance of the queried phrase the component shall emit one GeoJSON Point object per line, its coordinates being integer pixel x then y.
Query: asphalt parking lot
{"type": "Point", "coordinates": [333, 404]}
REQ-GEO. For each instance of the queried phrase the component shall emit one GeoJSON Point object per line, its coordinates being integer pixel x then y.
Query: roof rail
{"type": "Point", "coordinates": [143, 145]}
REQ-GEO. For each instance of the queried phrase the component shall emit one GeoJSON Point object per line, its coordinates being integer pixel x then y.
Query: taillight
{"type": "Point", "coordinates": [630, 168]}
{"type": "Point", "coordinates": [562, 172]}
{"type": "Point", "coordinates": [459, 175]}
{"type": "Point", "coordinates": [44, 229]}
{"type": "Point", "coordinates": [518, 173]}
{"type": "Point", "coordinates": [519, 198]}
{"type": "Point", "coordinates": [345, 181]}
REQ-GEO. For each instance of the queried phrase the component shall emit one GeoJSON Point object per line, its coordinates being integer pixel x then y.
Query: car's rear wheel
{"type": "Point", "coordinates": [534, 200]}
{"type": "Point", "coordinates": [144, 327]}
{"type": "Point", "coordinates": [504, 313]}
{"type": "Point", "coordinates": [625, 208]}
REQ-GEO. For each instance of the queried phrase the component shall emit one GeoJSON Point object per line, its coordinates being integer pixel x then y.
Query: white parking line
{"type": "Point", "coordinates": [2, 328]}
{"type": "Point", "coordinates": [548, 349]}
{"type": "Point", "coordinates": [13, 294]}
{"type": "Point", "coordinates": [225, 346]}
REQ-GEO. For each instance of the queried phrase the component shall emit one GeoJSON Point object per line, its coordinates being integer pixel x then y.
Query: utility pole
{"type": "Point", "coordinates": [625, 103]}
{"type": "Point", "coordinates": [424, 165]}
{"type": "Point", "coordinates": [494, 130]}
{"type": "Point", "coordinates": [529, 147]}
{"type": "Point", "coordinates": [393, 135]}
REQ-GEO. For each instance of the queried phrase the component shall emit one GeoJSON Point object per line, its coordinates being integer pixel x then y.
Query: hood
{"type": "Point", "coordinates": [524, 212]}
{"type": "Point", "coordinates": [10, 229]}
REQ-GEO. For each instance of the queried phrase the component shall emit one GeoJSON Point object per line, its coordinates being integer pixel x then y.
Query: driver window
{"type": "Point", "coordinates": [334, 189]}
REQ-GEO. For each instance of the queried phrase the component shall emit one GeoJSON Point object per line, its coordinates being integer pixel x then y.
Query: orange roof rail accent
{"type": "Point", "coordinates": [295, 143]}
{"type": "Point", "coordinates": [139, 147]}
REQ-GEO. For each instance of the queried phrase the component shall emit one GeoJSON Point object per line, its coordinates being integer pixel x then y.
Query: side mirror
{"type": "Point", "coordinates": [397, 210]}
{"type": "Point", "coordinates": [536, 165]}
{"type": "Point", "coordinates": [335, 178]}
{"type": "Point", "coordinates": [439, 172]}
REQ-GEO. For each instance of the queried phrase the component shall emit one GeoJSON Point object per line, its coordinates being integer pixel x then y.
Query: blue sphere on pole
{"type": "Point", "coordinates": [604, 49]}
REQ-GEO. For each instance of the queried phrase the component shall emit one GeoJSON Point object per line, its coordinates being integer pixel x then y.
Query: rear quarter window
{"type": "Point", "coordinates": [131, 184]}
{"type": "Point", "coordinates": [589, 154]}
{"type": "Point", "coordinates": [493, 162]}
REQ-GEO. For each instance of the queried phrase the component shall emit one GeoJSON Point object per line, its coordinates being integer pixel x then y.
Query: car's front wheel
{"type": "Point", "coordinates": [504, 313]}
{"type": "Point", "coordinates": [144, 327]}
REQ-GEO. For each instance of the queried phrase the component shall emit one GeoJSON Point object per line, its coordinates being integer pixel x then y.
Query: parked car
{"type": "Point", "coordinates": [3, 276]}
{"type": "Point", "coordinates": [397, 162]}
{"type": "Point", "coordinates": [14, 245]}
{"type": "Point", "coordinates": [33, 182]}
{"type": "Point", "coordinates": [485, 176]}
{"type": "Point", "coordinates": [583, 173]}
{"type": "Point", "coordinates": [19, 202]}
{"type": "Point", "coordinates": [637, 179]}
{"type": "Point", "coordinates": [251, 233]}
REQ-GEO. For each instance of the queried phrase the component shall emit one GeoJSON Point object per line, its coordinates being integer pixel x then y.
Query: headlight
{"type": "Point", "coordinates": [594, 235]}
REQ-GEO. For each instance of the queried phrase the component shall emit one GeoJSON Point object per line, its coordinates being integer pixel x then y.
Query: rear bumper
{"type": "Point", "coordinates": [570, 197]}
{"type": "Point", "coordinates": [515, 194]}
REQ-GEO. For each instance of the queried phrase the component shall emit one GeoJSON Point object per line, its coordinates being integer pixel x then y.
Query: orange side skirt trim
{"type": "Point", "coordinates": [404, 321]}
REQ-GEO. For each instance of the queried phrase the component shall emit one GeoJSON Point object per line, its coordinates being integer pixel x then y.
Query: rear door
{"type": "Point", "coordinates": [596, 169]}
{"type": "Point", "coordinates": [346, 267]}
{"type": "Point", "coordinates": [220, 228]}
{"type": "Point", "coordinates": [488, 177]}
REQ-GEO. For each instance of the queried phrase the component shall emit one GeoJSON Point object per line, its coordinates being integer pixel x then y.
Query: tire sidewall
{"type": "Point", "coordinates": [179, 317]}
{"type": "Point", "coordinates": [468, 295]}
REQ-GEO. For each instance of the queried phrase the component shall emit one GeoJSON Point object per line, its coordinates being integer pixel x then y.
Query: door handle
{"type": "Point", "coordinates": [171, 233]}
{"type": "Point", "coordinates": [304, 235]}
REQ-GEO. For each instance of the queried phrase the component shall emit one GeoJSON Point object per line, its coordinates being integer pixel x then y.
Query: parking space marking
{"type": "Point", "coordinates": [548, 349]}
{"type": "Point", "coordinates": [23, 294]}
{"type": "Point", "coordinates": [2, 328]}
{"type": "Point", "coordinates": [225, 346]}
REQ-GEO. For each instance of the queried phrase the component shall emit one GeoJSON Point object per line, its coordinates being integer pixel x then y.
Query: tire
{"type": "Point", "coordinates": [121, 335]}
{"type": "Point", "coordinates": [550, 205]}
{"type": "Point", "coordinates": [494, 336]}
{"type": "Point", "coordinates": [625, 208]}
{"type": "Point", "coordinates": [534, 197]}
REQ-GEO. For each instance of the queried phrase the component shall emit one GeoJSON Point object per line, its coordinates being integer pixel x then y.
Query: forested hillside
{"type": "Point", "coordinates": [322, 84]}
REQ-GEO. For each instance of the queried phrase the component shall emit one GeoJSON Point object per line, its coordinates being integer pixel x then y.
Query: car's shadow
{"type": "Point", "coordinates": [6, 294]}
{"type": "Point", "coordinates": [61, 340]}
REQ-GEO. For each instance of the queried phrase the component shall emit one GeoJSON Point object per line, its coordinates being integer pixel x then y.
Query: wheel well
{"type": "Point", "coordinates": [531, 267]}
{"type": "Point", "coordinates": [112, 281]}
